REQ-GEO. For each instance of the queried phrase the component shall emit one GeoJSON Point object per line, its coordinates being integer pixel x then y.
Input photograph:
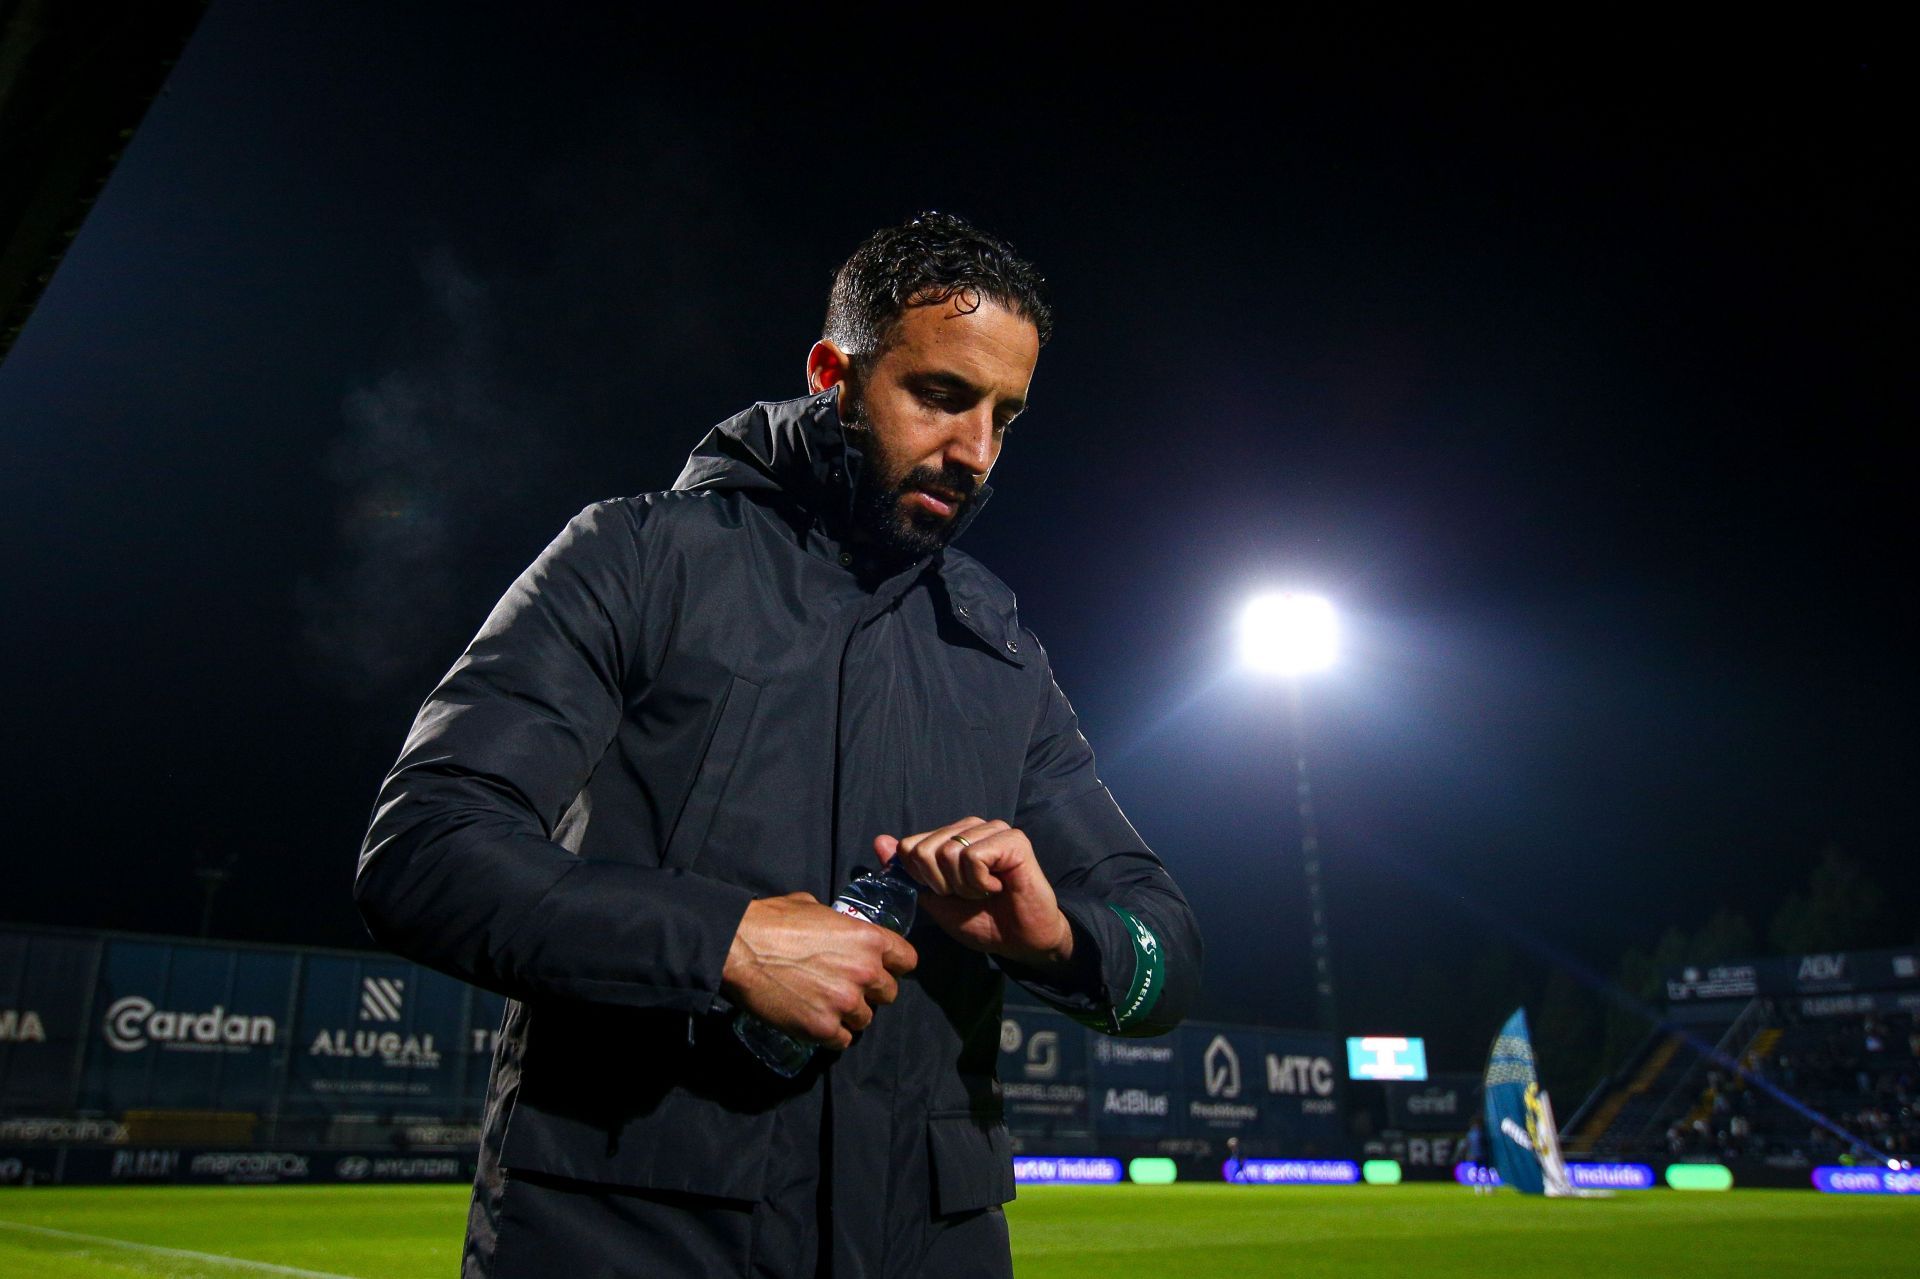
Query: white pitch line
{"type": "Point", "coordinates": [264, 1267]}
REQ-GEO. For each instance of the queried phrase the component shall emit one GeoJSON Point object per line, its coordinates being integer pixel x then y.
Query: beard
{"type": "Point", "coordinates": [896, 531]}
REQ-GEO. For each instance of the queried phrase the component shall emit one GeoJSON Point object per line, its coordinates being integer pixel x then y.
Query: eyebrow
{"type": "Point", "coordinates": [954, 382]}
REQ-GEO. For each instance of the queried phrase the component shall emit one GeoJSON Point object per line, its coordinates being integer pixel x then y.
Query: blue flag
{"type": "Point", "coordinates": [1513, 1107]}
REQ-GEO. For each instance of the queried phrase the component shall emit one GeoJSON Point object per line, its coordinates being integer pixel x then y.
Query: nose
{"type": "Point", "coordinates": [973, 444]}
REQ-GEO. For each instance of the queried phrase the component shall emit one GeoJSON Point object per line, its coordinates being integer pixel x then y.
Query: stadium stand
{"type": "Point", "coordinates": [1862, 1072]}
{"type": "Point", "coordinates": [1665, 1072]}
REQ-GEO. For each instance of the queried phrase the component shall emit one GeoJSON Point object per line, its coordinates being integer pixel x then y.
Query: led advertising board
{"type": "Point", "coordinates": [1386, 1057]}
{"type": "Point", "coordinates": [1866, 1181]}
{"type": "Point", "coordinates": [1152, 1171]}
{"type": "Point", "coordinates": [1612, 1176]}
{"type": "Point", "coordinates": [1699, 1177]}
{"type": "Point", "coordinates": [1053, 1170]}
{"type": "Point", "coordinates": [1293, 1172]}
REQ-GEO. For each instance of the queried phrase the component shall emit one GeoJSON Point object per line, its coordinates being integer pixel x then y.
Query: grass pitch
{"type": "Point", "coordinates": [1439, 1231]}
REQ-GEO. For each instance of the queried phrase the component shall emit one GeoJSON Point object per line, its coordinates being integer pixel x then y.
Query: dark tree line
{"type": "Point", "coordinates": [1585, 1022]}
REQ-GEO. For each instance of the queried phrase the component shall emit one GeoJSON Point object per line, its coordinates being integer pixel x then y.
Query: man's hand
{"type": "Point", "coordinates": [984, 886]}
{"type": "Point", "coordinates": [812, 971]}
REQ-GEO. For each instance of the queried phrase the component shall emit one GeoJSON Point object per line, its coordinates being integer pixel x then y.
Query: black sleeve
{"type": "Point", "coordinates": [1136, 965]}
{"type": "Point", "coordinates": [460, 870]}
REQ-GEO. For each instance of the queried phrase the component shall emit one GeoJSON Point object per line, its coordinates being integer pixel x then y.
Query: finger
{"type": "Point", "coordinates": [883, 989]}
{"type": "Point", "coordinates": [858, 1017]}
{"type": "Point", "coordinates": [960, 849]}
{"type": "Point", "coordinates": [899, 957]}
{"type": "Point", "coordinates": [910, 850]}
{"type": "Point", "coordinates": [933, 853]}
{"type": "Point", "coordinates": [949, 849]}
{"type": "Point", "coordinates": [938, 833]}
{"type": "Point", "coordinates": [1006, 854]}
{"type": "Point", "coordinates": [979, 879]}
{"type": "Point", "coordinates": [968, 868]}
{"type": "Point", "coordinates": [918, 870]}
{"type": "Point", "coordinates": [946, 857]}
{"type": "Point", "coordinates": [930, 861]}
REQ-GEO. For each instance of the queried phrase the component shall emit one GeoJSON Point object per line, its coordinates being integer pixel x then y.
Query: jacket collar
{"type": "Point", "coordinates": [797, 447]}
{"type": "Point", "coordinates": [801, 449]}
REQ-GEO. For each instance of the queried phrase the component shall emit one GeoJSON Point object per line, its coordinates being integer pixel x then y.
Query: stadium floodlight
{"type": "Point", "coordinates": [1288, 633]}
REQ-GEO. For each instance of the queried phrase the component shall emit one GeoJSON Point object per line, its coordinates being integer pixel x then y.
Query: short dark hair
{"type": "Point", "coordinates": [927, 259]}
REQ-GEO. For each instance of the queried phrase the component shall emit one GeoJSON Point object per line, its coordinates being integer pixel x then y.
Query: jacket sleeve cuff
{"type": "Point", "coordinates": [1116, 974]}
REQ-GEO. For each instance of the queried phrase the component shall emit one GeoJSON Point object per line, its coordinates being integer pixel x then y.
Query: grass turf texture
{"type": "Point", "coordinates": [376, 1232]}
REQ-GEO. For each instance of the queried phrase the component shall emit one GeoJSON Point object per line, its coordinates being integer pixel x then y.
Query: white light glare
{"type": "Point", "coordinates": [1288, 634]}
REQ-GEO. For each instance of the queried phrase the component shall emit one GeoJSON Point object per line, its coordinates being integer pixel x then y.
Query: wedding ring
{"type": "Point", "coordinates": [963, 841]}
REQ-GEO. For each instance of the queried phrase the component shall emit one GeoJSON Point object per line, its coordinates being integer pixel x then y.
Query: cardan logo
{"type": "Point", "coordinates": [1222, 1066]}
{"type": "Point", "coordinates": [132, 1023]}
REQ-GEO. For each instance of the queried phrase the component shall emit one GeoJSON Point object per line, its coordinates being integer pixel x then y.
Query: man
{"type": "Point", "coordinates": [1478, 1170]}
{"type": "Point", "coordinates": [693, 720]}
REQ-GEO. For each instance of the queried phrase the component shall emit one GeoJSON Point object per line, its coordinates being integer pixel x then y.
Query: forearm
{"type": "Point", "coordinates": [1143, 970]}
{"type": "Point", "coordinates": [1134, 970]}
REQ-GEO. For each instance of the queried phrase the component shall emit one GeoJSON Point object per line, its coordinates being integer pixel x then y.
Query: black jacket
{"type": "Point", "coordinates": [699, 697]}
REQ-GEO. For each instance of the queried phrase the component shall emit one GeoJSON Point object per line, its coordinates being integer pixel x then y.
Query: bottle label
{"type": "Point", "coordinates": [859, 910]}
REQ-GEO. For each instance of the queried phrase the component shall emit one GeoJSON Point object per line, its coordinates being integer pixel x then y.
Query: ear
{"type": "Point", "coordinates": [827, 366]}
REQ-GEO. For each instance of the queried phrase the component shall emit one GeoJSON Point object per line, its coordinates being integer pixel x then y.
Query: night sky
{"type": "Point", "coordinates": [1572, 382]}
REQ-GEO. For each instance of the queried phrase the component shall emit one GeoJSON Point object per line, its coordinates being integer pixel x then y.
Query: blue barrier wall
{"type": "Point", "coordinates": [97, 1025]}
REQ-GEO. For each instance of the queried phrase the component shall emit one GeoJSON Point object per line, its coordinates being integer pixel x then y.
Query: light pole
{"type": "Point", "coordinates": [212, 872]}
{"type": "Point", "coordinates": [1291, 635]}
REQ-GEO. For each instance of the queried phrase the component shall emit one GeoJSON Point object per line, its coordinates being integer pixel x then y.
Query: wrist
{"type": "Point", "coordinates": [1057, 953]}
{"type": "Point", "coordinates": [741, 957]}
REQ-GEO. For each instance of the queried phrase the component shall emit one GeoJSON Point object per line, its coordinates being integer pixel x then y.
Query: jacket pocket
{"type": "Point", "coordinates": [971, 1163]}
{"type": "Point", "coordinates": [630, 1098]}
{"type": "Point", "coordinates": [716, 768]}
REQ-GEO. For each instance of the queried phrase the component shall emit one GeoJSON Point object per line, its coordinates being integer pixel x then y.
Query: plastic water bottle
{"type": "Point", "coordinates": [884, 897]}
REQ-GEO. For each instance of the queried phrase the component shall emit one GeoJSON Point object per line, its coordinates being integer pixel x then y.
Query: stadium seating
{"type": "Point", "coordinates": [1861, 1072]}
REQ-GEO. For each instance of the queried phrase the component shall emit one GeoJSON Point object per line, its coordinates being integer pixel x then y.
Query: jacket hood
{"type": "Point", "coordinates": [797, 447]}
{"type": "Point", "coordinates": [800, 448]}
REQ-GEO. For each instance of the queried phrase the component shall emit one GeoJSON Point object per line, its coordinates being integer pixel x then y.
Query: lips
{"type": "Point", "coordinates": [939, 503]}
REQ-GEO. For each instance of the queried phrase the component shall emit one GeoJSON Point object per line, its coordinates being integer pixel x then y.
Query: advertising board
{"type": "Point", "coordinates": [1301, 1107]}
{"type": "Point", "coordinates": [1446, 1102]}
{"type": "Point", "coordinates": [1133, 1084]}
{"type": "Point", "coordinates": [373, 1029]}
{"type": "Point", "coordinates": [186, 1026]}
{"type": "Point", "coordinates": [1222, 1084]}
{"type": "Point", "coordinates": [45, 984]}
{"type": "Point", "coordinates": [1043, 1073]}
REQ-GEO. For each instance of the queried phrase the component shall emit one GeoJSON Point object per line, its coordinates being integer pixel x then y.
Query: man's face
{"type": "Point", "coordinates": [932, 411]}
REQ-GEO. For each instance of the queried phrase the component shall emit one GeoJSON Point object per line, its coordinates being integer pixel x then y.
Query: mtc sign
{"type": "Point", "coordinates": [1296, 1075]}
{"type": "Point", "coordinates": [1386, 1057]}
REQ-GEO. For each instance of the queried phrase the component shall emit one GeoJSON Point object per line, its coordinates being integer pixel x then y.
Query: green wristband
{"type": "Point", "coordinates": [1149, 972]}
